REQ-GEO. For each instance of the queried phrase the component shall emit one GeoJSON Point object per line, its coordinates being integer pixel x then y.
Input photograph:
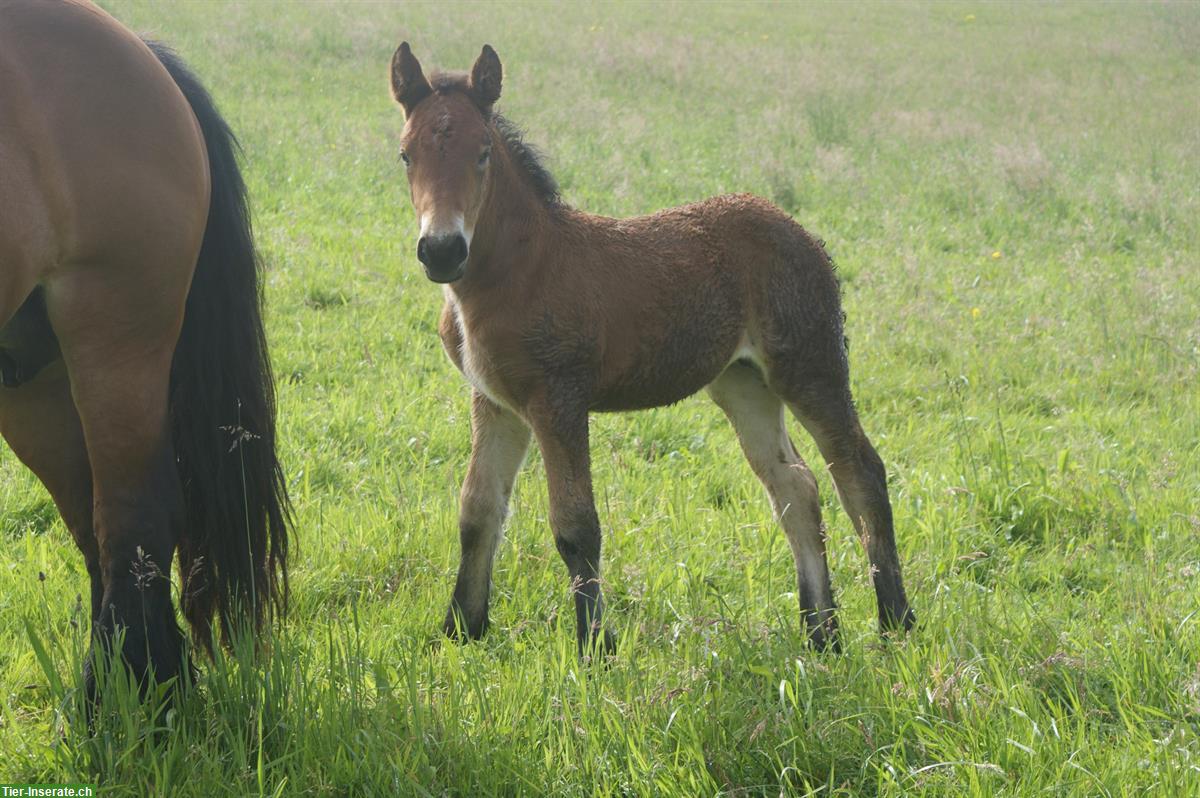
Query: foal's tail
{"type": "Point", "coordinates": [233, 552]}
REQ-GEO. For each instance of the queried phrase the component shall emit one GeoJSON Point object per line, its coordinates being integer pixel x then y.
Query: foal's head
{"type": "Point", "coordinates": [446, 148]}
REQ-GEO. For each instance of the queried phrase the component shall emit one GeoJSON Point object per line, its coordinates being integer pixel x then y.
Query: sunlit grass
{"type": "Point", "coordinates": [1010, 195]}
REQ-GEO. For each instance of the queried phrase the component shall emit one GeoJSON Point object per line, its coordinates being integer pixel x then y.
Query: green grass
{"type": "Point", "coordinates": [1011, 195]}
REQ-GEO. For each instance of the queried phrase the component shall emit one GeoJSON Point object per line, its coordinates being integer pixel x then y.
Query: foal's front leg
{"type": "Point", "coordinates": [563, 438]}
{"type": "Point", "coordinates": [498, 442]}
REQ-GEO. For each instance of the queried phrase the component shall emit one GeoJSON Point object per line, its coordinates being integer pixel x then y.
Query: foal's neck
{"type": "Point", "coordinates": [511, 228]}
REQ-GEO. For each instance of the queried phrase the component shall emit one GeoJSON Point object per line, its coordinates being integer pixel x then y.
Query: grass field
{"type": "Point", "coordinates": [1011, 195]}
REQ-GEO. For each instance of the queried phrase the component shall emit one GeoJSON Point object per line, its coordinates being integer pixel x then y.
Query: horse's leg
{"type": "Point", "coordinates": [562, 436]}
{"type": "Point", "coordinates": [827, 412]}
{"type": "Point", "coordinates": [498, 442]}
{"type": "Point", "coordinates": [117, 327]}
{"type": "Point", "coordinates": [39, 421]}
{"type": "Point", "coordinates": [757, 416]}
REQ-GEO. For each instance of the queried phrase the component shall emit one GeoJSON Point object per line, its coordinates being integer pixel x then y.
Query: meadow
{"type": "Point", "coordinates": [1011, 195]}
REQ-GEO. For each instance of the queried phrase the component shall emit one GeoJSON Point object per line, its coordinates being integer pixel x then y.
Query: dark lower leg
{"type": "Point", "coordinates": [821, 624]}
{"type": "Point", "coordinates": [563, 438]}
{"type": "Point", "coordinates": [827, 412]}
{"type": "Point", "coordinates": [862, 483]}
{"type": "Point", "coordinates": [580, 550]}
{"type": "Point", "coordinates": [467, 616]}
{"type": "Point", "coordinates": [136, 532]}
{"type": "Point", "coordinates": [137, 606]}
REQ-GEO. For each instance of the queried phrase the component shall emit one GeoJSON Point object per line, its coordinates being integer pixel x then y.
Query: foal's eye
{"type": "Point", "coordinates": [483, 158]}
{"type": "Point", "coordinates": [404, 157]}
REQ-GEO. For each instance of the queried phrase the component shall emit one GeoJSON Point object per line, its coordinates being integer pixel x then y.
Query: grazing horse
{"type": "Point", "coordinates": [552, 313]}
{"type": "Point", "coordinates": [136, 383]}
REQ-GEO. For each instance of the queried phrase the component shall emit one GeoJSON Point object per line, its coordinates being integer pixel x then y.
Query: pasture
{"type": "Point", "coordinates": [1010, 194]}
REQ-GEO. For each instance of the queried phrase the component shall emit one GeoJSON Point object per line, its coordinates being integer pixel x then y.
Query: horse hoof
{"type": "Point", "coordinates": [598, 646]}
{"type": "Point", "coordinates": [891, 622]}
{"type": "Point", "coordinates": [461, 630]}
{"type": "Point", "coordinates": [825, 638]}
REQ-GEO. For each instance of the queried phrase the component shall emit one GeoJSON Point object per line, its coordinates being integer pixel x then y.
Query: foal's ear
{"type": "Point", "coordinates": [486, 77]}
{"type": "Point", "coordinates": [409, 85]}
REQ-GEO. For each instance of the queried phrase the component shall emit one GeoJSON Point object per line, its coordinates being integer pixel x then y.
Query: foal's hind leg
{"type": "Point", "coordinates": [498, 442]}
{"type": "Point", "coordinates": [827, 412]}
{"type": "Point", "coordinates": [39, 421]}
{"type": "Point", "coordinates": [757, 415]}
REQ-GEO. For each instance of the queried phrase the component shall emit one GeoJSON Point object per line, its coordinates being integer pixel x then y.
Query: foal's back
{"type": "Point", "coordinates": [671, 299]}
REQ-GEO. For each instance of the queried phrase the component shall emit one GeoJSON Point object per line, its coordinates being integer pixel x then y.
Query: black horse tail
{"type": "Point", "coordinates": [234, 548]}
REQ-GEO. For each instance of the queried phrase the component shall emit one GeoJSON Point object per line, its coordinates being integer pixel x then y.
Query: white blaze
{"type": "Point", "coordinates": [434, 228]}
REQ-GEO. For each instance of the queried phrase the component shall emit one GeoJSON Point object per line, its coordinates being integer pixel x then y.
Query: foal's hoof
{"type": "Point", "coordinates": [824, 636]}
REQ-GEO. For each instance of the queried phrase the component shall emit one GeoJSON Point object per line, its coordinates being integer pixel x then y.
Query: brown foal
{"type": "Point", "coordinates": [552, 313]}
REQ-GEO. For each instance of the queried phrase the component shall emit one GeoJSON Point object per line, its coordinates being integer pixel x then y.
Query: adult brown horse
{"type": "Point", "coordinates": [136, 380]}
{"type": "Point", "coordinates": [552, 313]}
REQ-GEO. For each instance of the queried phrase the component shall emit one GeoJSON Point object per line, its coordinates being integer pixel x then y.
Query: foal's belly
{"type": "Point", "coordinates": [645, 396]}
{"type": "Point", "coordinates": [671, 346]}
{"type": "Point", "coordinates": [666, 373]}
{"type": "Point", "coordinates": [634, 366]}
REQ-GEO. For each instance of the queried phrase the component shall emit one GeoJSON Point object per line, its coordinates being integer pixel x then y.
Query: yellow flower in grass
{"type": "Point", "coordinates": [976, 313]}
{"type": "Point", "coordinates": [996, 255]}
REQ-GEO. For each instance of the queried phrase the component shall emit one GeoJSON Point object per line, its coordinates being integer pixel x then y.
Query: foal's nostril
{"type": "Point", "coordinates": [423, 250]}
{"type": "Point", "coordinates": [458, 250]}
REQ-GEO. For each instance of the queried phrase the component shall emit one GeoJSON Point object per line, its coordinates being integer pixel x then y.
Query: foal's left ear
{"type": "Point", "coordinates": [486, 77]}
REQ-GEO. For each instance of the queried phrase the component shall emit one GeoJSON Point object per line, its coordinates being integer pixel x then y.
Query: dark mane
{"type": "Point", "coordinates": [529, 162]}
{"type": "Point", "coordinates": [526, 157]}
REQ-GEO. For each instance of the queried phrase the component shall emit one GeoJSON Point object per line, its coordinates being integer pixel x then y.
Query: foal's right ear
{"type": "Point", "coordinates": [409, 85]}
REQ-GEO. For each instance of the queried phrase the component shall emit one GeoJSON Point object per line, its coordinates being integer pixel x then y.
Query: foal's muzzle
{"type": "Point", "coordinates": [443, 256]}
